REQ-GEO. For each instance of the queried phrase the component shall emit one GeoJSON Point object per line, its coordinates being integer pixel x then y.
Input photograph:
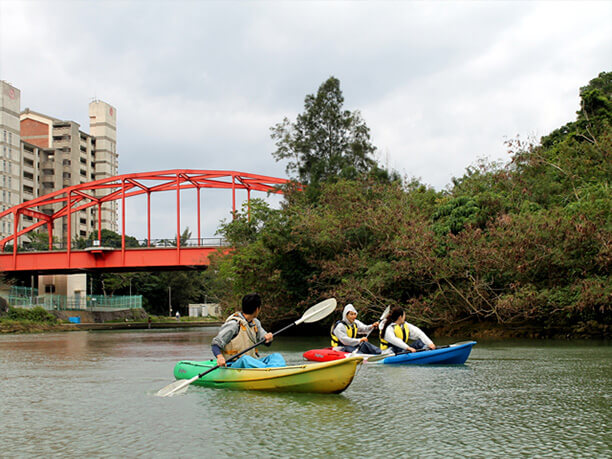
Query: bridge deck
{"type": "Point", "coordinates": [130, 259]}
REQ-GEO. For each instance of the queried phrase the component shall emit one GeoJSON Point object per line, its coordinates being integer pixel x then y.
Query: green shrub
{"type": "Point", "coordinates": [37, 314]}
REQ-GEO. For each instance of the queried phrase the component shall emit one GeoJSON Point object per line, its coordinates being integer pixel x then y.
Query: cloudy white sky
{"type": "Point", "coordinates": [198, 84]}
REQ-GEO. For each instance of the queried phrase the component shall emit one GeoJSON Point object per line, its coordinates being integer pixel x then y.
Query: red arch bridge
{"type": "Point", "coordinates": [45, 210]}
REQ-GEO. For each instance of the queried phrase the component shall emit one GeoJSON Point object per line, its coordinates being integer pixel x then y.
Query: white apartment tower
{"type": "Point", "coordinates": [103, 128]}
{"type": "Point", "coordinates": [42, 154]}
{"type": "Point", "coordinates": [10, 171]}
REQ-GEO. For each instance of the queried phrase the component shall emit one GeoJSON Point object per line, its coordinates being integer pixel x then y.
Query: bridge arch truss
{"type": "Point", "coordinates": [95, 194]}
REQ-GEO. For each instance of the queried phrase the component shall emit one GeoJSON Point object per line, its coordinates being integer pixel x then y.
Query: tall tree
{"type": "Point", "coordinates": [326, 141]}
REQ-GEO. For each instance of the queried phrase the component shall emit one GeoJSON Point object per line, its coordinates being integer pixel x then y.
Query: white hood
{"type": "Point", "coordinates": [348, 308]}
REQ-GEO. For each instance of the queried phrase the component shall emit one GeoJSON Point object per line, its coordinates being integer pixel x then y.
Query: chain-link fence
{"type": "Point", "coordinates": [90, 302]}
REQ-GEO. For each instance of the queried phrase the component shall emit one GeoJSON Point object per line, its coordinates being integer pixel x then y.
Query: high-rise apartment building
{"type": "Point", "coordinates": [41, 154]}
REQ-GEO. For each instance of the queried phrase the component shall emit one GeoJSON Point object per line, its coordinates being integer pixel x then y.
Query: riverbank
{"type": "Point", "coordinates": [37, 327]}
{"type": "Point", "coordinates": [87, 320]}
{"type": "Point", "coordinates": [139, 325]}
{"type": "Point", "coordinates": [138, 319]}
{"type": "Point", "coordinates": [490, 330]}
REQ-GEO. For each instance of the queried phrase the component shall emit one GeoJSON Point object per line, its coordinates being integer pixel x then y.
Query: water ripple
{"type": "Point", "coordinates": [91, 395]}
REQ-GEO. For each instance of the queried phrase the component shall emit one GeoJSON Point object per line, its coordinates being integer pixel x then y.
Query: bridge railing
{"type": "Point", "coordinates": [130, 243]}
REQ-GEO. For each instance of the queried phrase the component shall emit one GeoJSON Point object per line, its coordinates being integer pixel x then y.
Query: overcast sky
{"type": "Point", "coordinates": [198, 84]}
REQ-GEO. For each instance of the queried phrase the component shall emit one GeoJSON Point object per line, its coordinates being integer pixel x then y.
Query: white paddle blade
{"type": "Point", "coordinates": [318, 311]}
{"type": "Point", "coordinates": [177, 387]}
{"type": "Point", "coordinates": [385, 313]}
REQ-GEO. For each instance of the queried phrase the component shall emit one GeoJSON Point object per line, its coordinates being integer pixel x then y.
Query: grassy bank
{"type": "Point", "coordinates": [39, 320]}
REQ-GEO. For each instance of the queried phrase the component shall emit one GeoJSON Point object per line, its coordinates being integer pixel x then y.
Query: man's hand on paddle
{"type": "Point", "coordinates": [221, 360]}
{"type": "Point", "coordinates": [269, 337]}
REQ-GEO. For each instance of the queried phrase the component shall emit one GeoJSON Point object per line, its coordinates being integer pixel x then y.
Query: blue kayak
{"type": "Point", "coordinates": [446, 355]}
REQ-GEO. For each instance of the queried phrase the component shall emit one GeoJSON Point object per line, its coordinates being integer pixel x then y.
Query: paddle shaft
{"type": "Point", "coordinates": [382, 317]}
{"type": "Point", "coordinates": [242, 352]}
{"type": "Point", "coordinates": [361, 343]}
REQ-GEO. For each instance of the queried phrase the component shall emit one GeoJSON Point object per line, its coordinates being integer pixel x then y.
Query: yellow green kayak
{"type": "Point", "coordinates": [322, 378]}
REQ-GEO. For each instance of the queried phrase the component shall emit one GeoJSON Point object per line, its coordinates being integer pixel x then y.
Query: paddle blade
{"type": "Point", "coordinates": [385, 313]}
{"type": "Point", "coordinates": [177, 387]}
{"type": "Point", "coordinates": [318, 311]}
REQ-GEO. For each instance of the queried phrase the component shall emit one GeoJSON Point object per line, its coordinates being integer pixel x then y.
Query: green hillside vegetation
{"type": "Point", "coordinates": [528, 241]}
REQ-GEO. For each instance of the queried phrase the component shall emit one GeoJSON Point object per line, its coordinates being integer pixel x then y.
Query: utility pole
{"type": "Point", "coordinates": [169, 301]}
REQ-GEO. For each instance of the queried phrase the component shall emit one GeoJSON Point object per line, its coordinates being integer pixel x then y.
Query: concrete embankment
{"type": "Point", "coordinates": [137, 325]}
{"type": "Point", "coordinates": [121, 320]}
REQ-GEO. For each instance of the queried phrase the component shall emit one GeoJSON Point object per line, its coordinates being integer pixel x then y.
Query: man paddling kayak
{"type": "Point", "coordinates": [396, 333]}
{"type": "Point", "coordinates": [344, 333]}
{"type": "Point", "coordinates": [240, 331]}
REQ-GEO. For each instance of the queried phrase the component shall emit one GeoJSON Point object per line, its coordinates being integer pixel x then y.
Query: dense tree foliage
{"type": "Point", "coordinates": [530, 240]}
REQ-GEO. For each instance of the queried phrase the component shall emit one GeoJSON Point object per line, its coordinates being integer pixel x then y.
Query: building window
{"type": "Point", "coordinates": [50, 288]}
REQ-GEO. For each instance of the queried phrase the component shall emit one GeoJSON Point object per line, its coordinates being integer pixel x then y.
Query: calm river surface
{"type": "Point", "coordinates": [90, 394]}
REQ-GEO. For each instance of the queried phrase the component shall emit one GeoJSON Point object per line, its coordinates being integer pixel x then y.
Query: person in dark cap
{"type": "Point", "coordinates": [239, 332]}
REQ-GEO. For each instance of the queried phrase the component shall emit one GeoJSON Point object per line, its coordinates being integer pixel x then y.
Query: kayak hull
{"type": "Point", "coordinates": [322, 378]}
{"type": "Point", "coordinates": [455, 354]}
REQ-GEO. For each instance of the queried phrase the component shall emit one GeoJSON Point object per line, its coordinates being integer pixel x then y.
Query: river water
{"type": "Point", "coordinates": [91, 394]}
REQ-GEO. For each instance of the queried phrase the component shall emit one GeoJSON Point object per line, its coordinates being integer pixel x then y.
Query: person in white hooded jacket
{"type": "Point", "coordinates": [344, 333]}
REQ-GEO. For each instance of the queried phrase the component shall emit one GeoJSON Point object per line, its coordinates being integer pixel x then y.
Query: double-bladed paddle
{"type": "Point", "coordinates": [313, 314]}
